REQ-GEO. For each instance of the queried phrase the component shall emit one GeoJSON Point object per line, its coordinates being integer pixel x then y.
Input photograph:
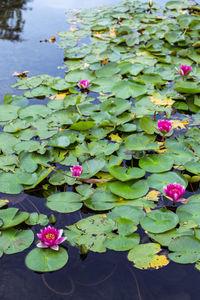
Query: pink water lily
{"type": "Point", "coordinates": [76, 170]}
{"type": "Point", "coordinates": [174, 191]}
{"type": "Point", "coordinates": [164, 126]}
{"type": "Point", "coordinates": [184, 70]}
{"type": "Point", "coordinates": [50, 237]}
{"type": "Point", "coordinates": [84, 84]}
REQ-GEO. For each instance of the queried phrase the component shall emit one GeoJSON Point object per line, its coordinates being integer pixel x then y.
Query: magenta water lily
{"type": "Point", "coordinates": [50, 237]}
{"type": "Point", "coordinates": [164, 126]}
{"type": "Point", "coordinates": [76, 171]}
{"type": "Point", "coordinates": [174, 191]}
{"type": "Point", "coordinates": [84, 84]}
{"type": "Point", "coordinates": [184, 70]}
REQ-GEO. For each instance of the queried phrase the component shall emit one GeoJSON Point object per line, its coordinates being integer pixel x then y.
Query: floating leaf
{"type": "Point", "coordinates": [159, 220]}
{"type": "Point", "coordinates": [101, 200]}
{"type": "Point", "coordinates": [145, 256]}
{"type": "Point", "coordinates": [64, 202]}
{"type": "Point", "coordinates": [125, 174]}
{"type": "Point", "coordinates": [156, 163]}
{"type": "Point", "coordinates": [122, 243]}
{"type": "Point", "coordinates": [14, 240]}
{"type": "Point", "coordinates": [130, 190]}
{"type": "Point", "coordinates": [12, 217]}
{"type": "Point", "coordinates": [129, 212]}
{"type": "Point", "coordinates": [46, 260]}
{"type": "Point", "coordinates": [186, 249]}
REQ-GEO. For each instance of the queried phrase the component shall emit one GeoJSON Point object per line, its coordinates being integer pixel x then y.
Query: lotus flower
{"type": "Point", "coordinates": [174, 191]}
{"type": "Point", "coordinates": [76, 170]}
{"type": "Point", "coordinates": [184, 70]}
{"type": "Point", "coordinates": [84, 84]}
{"type": "Point", "coordinates": [164, 126]}
{"type": "Point", "coordinates": [50, 237]}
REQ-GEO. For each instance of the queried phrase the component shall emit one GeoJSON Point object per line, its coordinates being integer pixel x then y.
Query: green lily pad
{"type": "Point", "coordinates": [64, 202]}
{"type": "Point", "coordinates": [176, 5]}
{"type": "Point", "coordinates": [186, 249]}
{"type": "Point", "coordinates": [125, 226]}
{"type": "Point", "coordinates": [92, 167]}
{"type": "Point", "coordinates": [135, 142]}
{"type": "Point", "coordinates": [156, 163]}
{"type": "Point", "coordinates": [34, 219]}
{"type": "Point", "coordinates": [189, 212]}
{"type": "Point", "coordinates": [129, 212]}
{"type": "Point", "coordinates": [46, 260]}
{"type": "Point", "coordinates": [129, 190]}
{"type": "Point", "coordinates": [147, 124]}
{"type": "Point", "coordinates": [125, 89]}
{"type": "Point", "coordinates": [8, 112]}
{"type": "Point", "coordinates": [91, 232]}
{"type": "Point", "coordinates": [159, 220]}
{"type": "Point", "coordinates": [101, 200]}
{"type": "Point", "coordinates": [124, 174]}
{"type": "Point", "coordinates": [193, 167]}
{"type": "Point", "coordinates": [122, 243]}
{"type": "Point", "coordinates": [12, 217]}
{"type": "Point", "coordinates": [187, 87]}
{"type": "Point", "coordinates": [14, 240]}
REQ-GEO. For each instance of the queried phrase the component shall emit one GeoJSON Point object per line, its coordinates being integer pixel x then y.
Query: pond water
{"type": "Point", "coordinates": [110, 275]}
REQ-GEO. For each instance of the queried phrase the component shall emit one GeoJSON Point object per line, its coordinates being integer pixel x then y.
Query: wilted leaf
{"type": "Point", "coordinates": [21, 75]}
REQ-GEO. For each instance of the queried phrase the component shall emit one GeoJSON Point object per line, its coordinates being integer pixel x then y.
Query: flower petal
{"type": "Point", "coordinates": [60, 232]}
{"type": "Point", "coordinates": [55, 247]}
{"type": "Point", "coordinates": [60, 240]}
{"type": "Point", "coordinates": [41, 245]}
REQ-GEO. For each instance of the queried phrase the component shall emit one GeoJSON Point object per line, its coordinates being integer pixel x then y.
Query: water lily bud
{"type": "Point", "coordinates": [76, 171]}
{"type": "Point", "coordinates": [83, 249]}
{"type": "Point", "coordinates": [164, 126]}
{"type": "Point", "coordinates": [150, 3]}
{"type": "Point", "coordinates": [184, 70]}
{"type": "Point", "coordinates": [52, 219]}
{"type": "Point", "coordinates": [84, 84]}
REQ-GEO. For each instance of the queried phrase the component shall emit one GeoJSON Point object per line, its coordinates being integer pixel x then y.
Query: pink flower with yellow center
{"type": "Point", "coordinates": [76, 171]}
{"type": "Point", "coordinates": [174, 191]}
{"type": "Point", "coordinates": [50, 237]}
{"type": "Point", "coordinates": [84, 84]}
{"type": "Point", "coordinates": [164, 126]}
{"type": "Point", "coordinates": [184, 70]}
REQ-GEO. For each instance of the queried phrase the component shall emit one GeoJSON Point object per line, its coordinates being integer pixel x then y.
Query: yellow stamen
{"type": "Point", "coordinates": [50, 236]}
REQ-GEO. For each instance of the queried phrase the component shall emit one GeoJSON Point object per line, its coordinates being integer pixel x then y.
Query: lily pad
{"type": "Point", "coordinates": [187, 87]}
{"type": "Point", "coordinates": [156, 163]}
{"type": "Point", "coordinates": [126, 174]}
{"type": "Point", "coordinates": [46, 260]}
{"type": "Point", "coordinates": [186, 249]}
{"type": "Point", "coordinates": [129, 212]}
{"type": "Point", "coordinates": [125, 89]}
{"type": "Point", "coordinates": [12, 217]}
{"type": "Point", "coordinates": [145, 256]}
{"type": "Point", "coordinates": [122, 243]}
{"type": "Point", "coordinates": [101, 200]}
{"type": "Point", "coordinates": [159, 220]}
{"type": "Point", "coordinates": [129, 190]}
{"type": "Point", "coordinates": [14, 240]}
{"type": "Point", "coordinates": [64, 202]}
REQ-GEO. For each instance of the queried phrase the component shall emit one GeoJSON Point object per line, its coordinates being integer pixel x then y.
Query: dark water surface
{"type": "Point", "coordinates": [107, 276]}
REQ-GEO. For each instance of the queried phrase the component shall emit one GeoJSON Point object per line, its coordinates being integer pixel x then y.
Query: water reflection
{"type": "Point", "coordinates": [11, 19]}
